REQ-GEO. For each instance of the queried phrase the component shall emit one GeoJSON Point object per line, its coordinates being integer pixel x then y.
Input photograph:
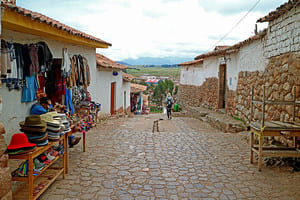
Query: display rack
{"type": "Point", "coordinates": [265, 128]}
{"type": "Point", "coordinates": [24, 192]}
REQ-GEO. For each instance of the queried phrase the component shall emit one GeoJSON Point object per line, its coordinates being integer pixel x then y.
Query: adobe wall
{"type": "Point", "coordinates": [281, 74]}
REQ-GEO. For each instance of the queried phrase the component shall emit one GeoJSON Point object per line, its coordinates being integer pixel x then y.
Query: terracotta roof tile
{"type": "Point", "coordinates": [193, 62]}
{"type": "Point", "coordinates": [127, 77]}
{"type": "Point", "coordinates": [105, 62]}
{"type": "Point", "coordinates": [47, 20]}
{"type": "Point", "coordinates": [233, 48]}
{"type": "Point", "coordinates": [282, 9]}
{"type": "Point", "coordinates": [135, 88]}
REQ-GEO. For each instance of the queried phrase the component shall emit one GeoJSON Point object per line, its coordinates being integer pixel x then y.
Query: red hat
{"type": "Point", "coordinates": [19, 140]}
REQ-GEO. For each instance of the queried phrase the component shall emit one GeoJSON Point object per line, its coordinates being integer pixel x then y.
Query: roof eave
{"type": "Point", "coordinates": [11, 20]}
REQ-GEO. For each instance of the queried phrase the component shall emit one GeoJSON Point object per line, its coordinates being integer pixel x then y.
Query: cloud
{"type": "Point", "coordinates": [230, 7]}
{"type": "Point", "coordinates": [156, 28]}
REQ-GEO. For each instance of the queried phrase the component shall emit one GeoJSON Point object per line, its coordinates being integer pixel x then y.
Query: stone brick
{"type": "Point", "coordinates": [206, 94]}
{"type": "Point", "coordinates": [5, 181]}
{"type": "Point", "coordinates": [2, 145]}
{"type": "Point", "coordinates": [3, 161]}
{"type": "Point", "coordinates": [8, 196]}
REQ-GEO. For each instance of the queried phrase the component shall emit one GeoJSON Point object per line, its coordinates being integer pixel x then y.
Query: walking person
{"type": "Point", "coordinates": [169, 101]}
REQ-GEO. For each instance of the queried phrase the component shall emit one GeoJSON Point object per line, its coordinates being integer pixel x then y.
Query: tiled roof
{"type": "Point", "coordinates": [280, 11]}
{"type": "Point", "coordinates": [127, 77]}
{"type": "Point", "coordinates": [51, 22]}
{"type": "Point", "coordinates": [233, 48]}
{"type": "Point", "coordinates": [105, 62]}
{"type": "Point", "coordinates": [221, 47]}
{"type": "Point", "coordinates": [193, 62]}
{"type": "Point", "coordinates": [136, 88]}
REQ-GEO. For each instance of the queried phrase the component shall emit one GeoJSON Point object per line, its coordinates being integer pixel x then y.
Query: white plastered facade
{"type": "Point", "coordinates": [13, 111]}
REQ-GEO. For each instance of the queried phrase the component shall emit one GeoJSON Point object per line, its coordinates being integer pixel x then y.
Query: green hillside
{"type": "Point", "coordinates": [155, 71]}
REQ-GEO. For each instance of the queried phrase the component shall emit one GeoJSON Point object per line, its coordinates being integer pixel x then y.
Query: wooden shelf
{"type": "Point", "coordinates": [265, 128]}
{"type": "Point", "coordinates": [23, 193]}
{"type": "Point", "coordinates": [31, 181]}
{"type": "Point", "coordinates": [37, 151]}
{"type": "Point", "coordinates": [25, 178]}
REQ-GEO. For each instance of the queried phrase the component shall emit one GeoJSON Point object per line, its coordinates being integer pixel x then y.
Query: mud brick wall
{"type": "Point", "coordinates": [5, 177]}
{"type": "Point", "coordinates": [205, 95]}
{"type": "Point", "coordinates": [281, 74]}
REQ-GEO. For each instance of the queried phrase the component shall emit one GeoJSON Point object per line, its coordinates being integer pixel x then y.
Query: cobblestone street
{"type": "Point", "coordinates": [187, 159]}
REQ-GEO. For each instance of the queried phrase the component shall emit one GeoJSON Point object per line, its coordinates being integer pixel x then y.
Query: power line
{"type": "Point", "coordinates": [222, 38]}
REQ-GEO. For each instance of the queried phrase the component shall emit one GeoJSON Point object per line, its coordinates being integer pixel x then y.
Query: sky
{"type": "Point", "coordinates": [157, 28]}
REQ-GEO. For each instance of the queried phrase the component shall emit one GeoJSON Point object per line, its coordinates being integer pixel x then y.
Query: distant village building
{"type": "Point", "coordinates": [136, 97]}
{"type": "Point", "coordinates": [152, 81]}
{"type": "Point", "coordinates": [222, 79]}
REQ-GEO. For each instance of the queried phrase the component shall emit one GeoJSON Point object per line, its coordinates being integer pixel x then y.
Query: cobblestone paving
{"type": "Point", "coordinates": [187, 160]}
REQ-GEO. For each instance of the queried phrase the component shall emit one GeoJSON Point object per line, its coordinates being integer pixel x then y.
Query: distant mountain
{"type": "Point", "coordinates": [122, 63]}
{"type": "Point", "coordinates": [156, 60]}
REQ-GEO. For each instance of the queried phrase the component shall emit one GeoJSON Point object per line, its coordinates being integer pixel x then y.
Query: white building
{"type": "Point", "coordinates": [23, 26]}
{"type": "Point", "coordinates": [109, 87]}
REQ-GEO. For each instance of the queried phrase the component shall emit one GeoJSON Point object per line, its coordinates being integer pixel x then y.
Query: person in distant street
{"type": "Point", "coordinates": [169, 101]}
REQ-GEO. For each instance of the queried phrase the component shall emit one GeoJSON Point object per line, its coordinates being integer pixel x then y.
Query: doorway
{"type": "Point", "coordinates": [222, 86]}
{"type": "Point", "coordinates": [112, 98]}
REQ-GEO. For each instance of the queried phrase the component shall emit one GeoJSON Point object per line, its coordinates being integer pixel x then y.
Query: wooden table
{"type": "Point", "coordinates": [273, 128]}
{"type": "Point", "coordinates": [27, 193]}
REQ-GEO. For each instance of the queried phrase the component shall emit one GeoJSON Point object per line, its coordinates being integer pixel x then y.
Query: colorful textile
{"type": "Point", "coordinates": [34, 67]}
{"type": "Point", "coordinates": [68, 101]}
{"type": "Point", "coordinates": [29, 89]}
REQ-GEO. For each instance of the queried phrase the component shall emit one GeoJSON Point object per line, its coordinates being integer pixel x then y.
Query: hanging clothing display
{"type": "Point", "coordinates": [44, 57]}
{"type": "Point", "coordinates": [29, 89]}
{"type": "Point", "coordinates": [66, 64]}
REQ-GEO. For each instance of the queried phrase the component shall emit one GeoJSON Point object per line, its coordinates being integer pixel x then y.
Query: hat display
{"type": "Point", "coordinates": [48, 118]}
{"type": "Point", "coordinates": [33, 121]}
{"type": "Point", "coordinates": [18, 141]}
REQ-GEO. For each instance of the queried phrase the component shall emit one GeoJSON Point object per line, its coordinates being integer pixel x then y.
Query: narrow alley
{"type": "Point", "coordinates": [187, 159]}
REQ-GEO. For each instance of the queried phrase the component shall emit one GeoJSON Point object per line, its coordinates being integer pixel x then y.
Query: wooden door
{"type": "Point", "coordinates": [222, 85]}
{"type": "Point", "coordinates": [112, 98]}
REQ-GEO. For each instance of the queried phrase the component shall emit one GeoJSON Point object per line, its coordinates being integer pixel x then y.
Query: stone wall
{"type": "Point", "coordinates": [281, 74]}
{"type": "Point", "coordinates": [283, 34]}
{"type": "Point", "coordinates": [5, 177]}
{"type": "Point", "coordinates": [205, 95]}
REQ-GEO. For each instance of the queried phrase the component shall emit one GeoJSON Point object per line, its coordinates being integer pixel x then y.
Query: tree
{"type": "Point", "coordinates": [162, 89]}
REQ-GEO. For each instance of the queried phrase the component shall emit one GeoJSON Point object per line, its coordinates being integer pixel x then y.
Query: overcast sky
{"type": "Point", "coordinates": [157, 28]}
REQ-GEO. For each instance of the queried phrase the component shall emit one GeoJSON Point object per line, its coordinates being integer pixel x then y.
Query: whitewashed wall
{"type": "Point", "coordinates": [13, 110]}
{"type": "Point", "coordinates": [283, 34]}
{"type": "Point", "coordinates": [126, 88]}
{"type": "Point", "coordinates": [248, 58]}
{"type": "Point", "coordinates": [100, 89]}
{"type": "Point", "coordinates": [196, 74]}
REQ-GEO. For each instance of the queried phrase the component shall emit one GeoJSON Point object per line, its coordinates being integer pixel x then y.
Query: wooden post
{"type": "Point", "coordinates": [261, 140]}
{"type": "Point", "coordinates": [30, 176]}
{"type": "Point", "coordinates": [263, 107]}
{"type": "Point", "coordinates": [64, 156]}
{"type": "Point", "coordinates": [294, 102]}
{"type": "Point", "coordinates": [251, 146]}
{"type": "Point", "coordinates": [252, 98]}
{"type": "Point", "coordinates": [83, 141]}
